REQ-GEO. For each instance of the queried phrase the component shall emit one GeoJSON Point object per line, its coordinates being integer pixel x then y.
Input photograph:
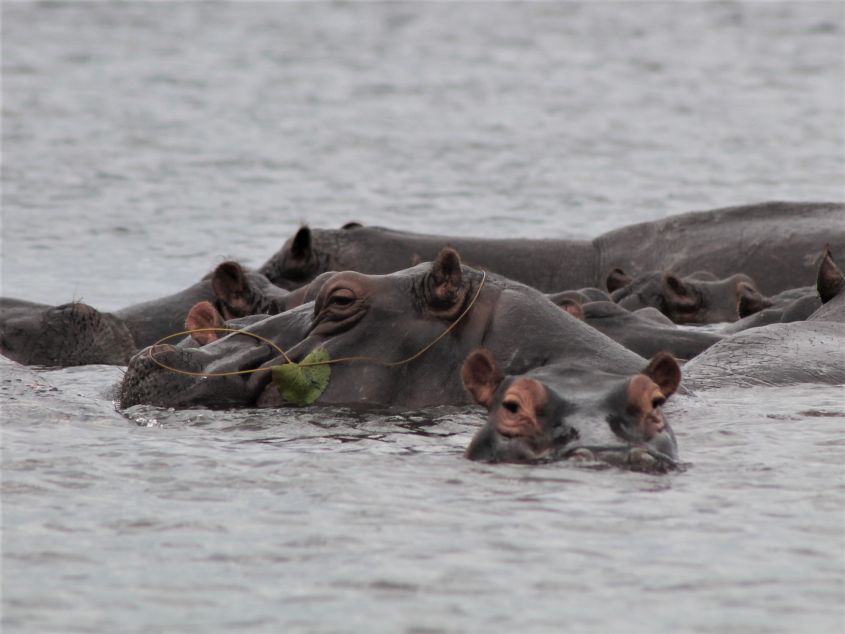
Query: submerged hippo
{"type": "Point", "coordinates": [689, 300]}
{"type": "Point", "coordinates": [387, 318]}
{"type": "Point", "coordinates": [774, 243]}
{"type": "Point", "coordinates": [799, 304]}
{"type": "Point", "coordinates": [811, 351]}
{"type": "Point", "coordinates": [78, 334]}
{"type": "Point", "coordinates": [644, 335]}
{"type": "Point", "coordinates": [777, 354]}
{"type": "Point", "coordinates": [564, 410]}
{"type": "Point", "coordinates": [70, 334]}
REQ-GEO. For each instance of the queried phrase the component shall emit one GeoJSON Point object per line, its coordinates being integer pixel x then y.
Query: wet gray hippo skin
{"type": "Point", "coordinates": [77, 334]}
{"type": "Point", "coordinates": [581, 296]}
{"type": "Point", "coordinates": [390, 317]}
{"type": "Point", "coordinates": [797, 310]}
{"type": "Point", "coordinates": [775, 243]}
{"type": "Point", "coordinates": [815, 303]}
{"type": "Point", "coordinates": [37, 334]}
{"type": "Point", "coordinates": [561, 411]}
{"type": "Point", "coordinates": [548, 265]}
{"type": "Point", "coordinates": [689, 300]}
{"type": "Point", "coordinates": [777, 354]}
{"type": "Point", "coordinates": [645, 336]}
{"type": "Point", "coordinates": [811, 351]}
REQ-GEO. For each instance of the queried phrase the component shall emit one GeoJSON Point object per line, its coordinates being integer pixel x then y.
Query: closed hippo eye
{"type": "Point", "coordinates": [341, 297]}
{"type": "Point", "coordinates": [658, 401]}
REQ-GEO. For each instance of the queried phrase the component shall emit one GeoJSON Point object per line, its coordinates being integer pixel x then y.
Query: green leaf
{"type": "Point", "coordinates": [303, 385]}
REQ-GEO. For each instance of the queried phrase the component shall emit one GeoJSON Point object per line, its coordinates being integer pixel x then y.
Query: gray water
{"type": "Point", "coordinates": [144, 143]}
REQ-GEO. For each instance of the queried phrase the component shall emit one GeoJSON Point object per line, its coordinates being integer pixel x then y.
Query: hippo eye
{"type": "Point", "coordinates": [341, 297]}
{"type": "Point", "coordinates": [657, 401]}
{"type": "Point", "coordinates": [511, 406]}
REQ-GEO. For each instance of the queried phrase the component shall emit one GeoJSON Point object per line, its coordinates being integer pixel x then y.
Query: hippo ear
{"type": "Point", "coordinates": [230, 287]}
{"type": "Point", "coordinates": [830, 279]}
{"type": "Point", "coordinates": [749, 300]}
{"type": "Point", "coordinates": [352, 225]}
{"type": "Point", "coordinates": [676, 291]}
{"type": "Point", "coordinates": [446, 285]}
{"type": "Point", "coordinates": [617, 279]}
{"type": "Point", "coordinates": [204, 315]}
{"type": "Point", "coordinates": [665, 372]}
{"type": "Point", "coordinates": [481, 376]}
{"type": "Point", "coordinates": [572, 307]}
{"type": "Point", "coordinates": [300, 248]}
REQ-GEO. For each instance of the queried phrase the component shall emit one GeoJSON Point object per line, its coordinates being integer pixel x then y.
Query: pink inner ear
{"type": "Point", "coordinates": [204, 315]}
{"type": "Point", "coordinates": [481, 376]}
{"type": "Point", "coordinates": [572, 307]}
{"type": "Point", "coordinates": [677, 292]}
{"type": "Point", "coordinates": [665, 372]}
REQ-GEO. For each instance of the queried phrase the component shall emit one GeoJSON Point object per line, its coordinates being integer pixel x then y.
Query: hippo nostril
{"type": "Point", "coordinates": [511, 406]}
{"type": "Point", "coordinates": [160, 348]}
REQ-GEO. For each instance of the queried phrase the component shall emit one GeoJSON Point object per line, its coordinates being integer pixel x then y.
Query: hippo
{"type": "Point", "coordinates": [689, 300]}
{"type": "Point", "coordinates": [564, 410]}
{"type": "Point", "coordinates": [831, 290]}
{"type": "Point", "coordinates": [388, 318]}
{"type": "Point", "coordinates": [777, 354]}
{"type": "Point", "coordinates": [805, 301]}
{"type": "Point", "coordinates": [802, 303]}
{"type": "Point", "coordinates": [774, 243]}
{"type": "Point", "coordinates": [644, 335]}
{"type": "Point", "coordinates": [78, 334]}
{"type": "Point", "coordinates": [581, 296]}
{"type": "Point", "coordinates": [808, 351]}
{"type": "Point", "coordinates": [239, 303]}
{"type": "Point", "coordinates": [240, 293]}
{"type": "Point", "coordinates": [69, 334]}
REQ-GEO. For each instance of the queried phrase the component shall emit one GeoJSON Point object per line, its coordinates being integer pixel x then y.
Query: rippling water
{"type": "Point", "coordinates": [143, 143]}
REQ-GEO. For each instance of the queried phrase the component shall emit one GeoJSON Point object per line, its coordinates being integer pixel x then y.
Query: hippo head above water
{"type": "Point", "coordinates": [389, 318]}
{"type": "Point", "coordinates": [66, 335]}
{"type": "Point", "coordinates": [382, 317]}
{"type": "Point", "coordinates": [302, 258]}
{"type": "Point", "coordinates": [564, 411]}
{"type": "Point", "coordinates": [689, 300]}
{"type": "Point", "coordinates": [408, 332]}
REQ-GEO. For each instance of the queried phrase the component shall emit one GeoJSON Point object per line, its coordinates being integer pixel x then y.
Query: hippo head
{"type": "Point", "coordinates": [383, 320]}
{"type": "Point", "coordinates": [692, 299]}
{"type": "Point", "coordinates": [240, 293]}
{"type": "Point", "coordinates": [296, 263]}
{"type": "Point", "coordinates": [567, 412]}
{"type": "Point", "coordinates": [66, 335]}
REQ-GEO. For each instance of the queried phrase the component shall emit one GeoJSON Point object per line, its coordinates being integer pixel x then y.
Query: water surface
{"type": "Point", "coordinates": [144, 143]}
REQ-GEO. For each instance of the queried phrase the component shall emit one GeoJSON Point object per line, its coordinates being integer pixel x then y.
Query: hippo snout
{"type": "Point", "coordinates": [181, 377]}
